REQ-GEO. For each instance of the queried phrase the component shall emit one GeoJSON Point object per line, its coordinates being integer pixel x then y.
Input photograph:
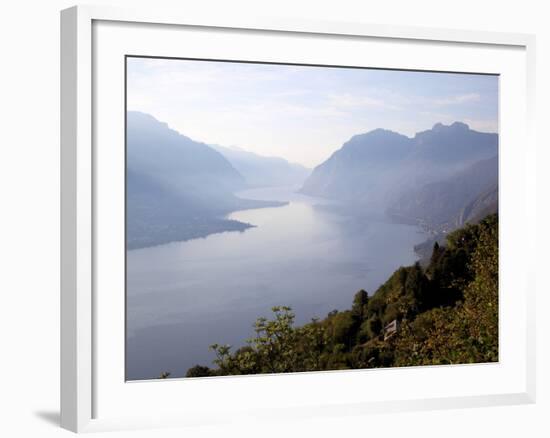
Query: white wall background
{"type": "Point", "coordinates": [29, 218]}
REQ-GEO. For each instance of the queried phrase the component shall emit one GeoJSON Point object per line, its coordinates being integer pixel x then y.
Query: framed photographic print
{"type": "Point", "coordinates": [273, 207]}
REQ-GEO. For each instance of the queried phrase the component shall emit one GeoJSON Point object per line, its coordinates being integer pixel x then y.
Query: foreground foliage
{"type": "Point", "coordinates": [446, 313]}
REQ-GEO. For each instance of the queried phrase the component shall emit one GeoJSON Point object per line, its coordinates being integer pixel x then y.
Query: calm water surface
{"type": "Point", "coordinates": [184, 296]}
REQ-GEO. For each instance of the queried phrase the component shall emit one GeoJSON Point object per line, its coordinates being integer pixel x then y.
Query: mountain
{"type": "Point", "coordinates": [453, 201]}
{"type": "Point", "coordinates": [453, 144]}
{"type": "Point", "coordinates": [480, 207]}
{"type": "Point", "coordinates": [260, 171]}
{"type": "Point", "coordinates": [176, 161]}
{"type": "Point", "coordinates": [157, 215]}
{"type": "Point", "coordinates": [360, 168]}
{"type": "Point", "coordinates": [176, 188]}
{"type": "Point", "coordinates": [374, 169]}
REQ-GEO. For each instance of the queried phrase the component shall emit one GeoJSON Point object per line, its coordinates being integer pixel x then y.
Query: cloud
{"type": "Point", "coordinates": [458, 99]}
{"type": "Point", "coordinates": [482, 125]}
{"type": "Point", "coordinates": [352, 101]}
{"type": "Point", "coordinates": [267, 110]}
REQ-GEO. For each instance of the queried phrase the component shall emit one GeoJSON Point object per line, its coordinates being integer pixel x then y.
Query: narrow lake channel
{"type": "Point", "coordinates": [184, 296]}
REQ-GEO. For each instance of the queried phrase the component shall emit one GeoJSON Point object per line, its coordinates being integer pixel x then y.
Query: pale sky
{"type": "Point", "coordinates": [300, 113]}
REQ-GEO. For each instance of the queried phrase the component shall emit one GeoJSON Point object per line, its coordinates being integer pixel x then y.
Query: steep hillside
{"type": "Point", "coordinates": [175, 160]}
{"type": "Point", "coordinates": [176, 188]}
{"type": "Point", "coordinates": [376, 168]}
{"type": "Point", "coordinates": [362, 168]}
{"type": "Point", "coordinates": [452, 201]}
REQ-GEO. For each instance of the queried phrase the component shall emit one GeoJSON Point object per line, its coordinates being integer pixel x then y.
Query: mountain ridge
{"type": "Point", "coordinates": [374, 167]}
{"type": "Point", "coordinates": [176, 188]}
{"type": "Point", "coordinates": [262, 171]}
{"type": "Point", "coordinates": [439, 204]}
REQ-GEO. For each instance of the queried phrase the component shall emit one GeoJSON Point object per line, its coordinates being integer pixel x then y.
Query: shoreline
{"type": "Point", "coordinates": [174, 233]}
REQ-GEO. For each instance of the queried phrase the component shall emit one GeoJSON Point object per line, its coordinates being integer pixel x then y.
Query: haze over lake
{"type": "Point", "coordinates": [184, 296]}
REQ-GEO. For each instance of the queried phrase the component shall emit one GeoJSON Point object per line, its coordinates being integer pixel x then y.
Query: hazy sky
{"type": "Point", "coordinates": [302, 113]}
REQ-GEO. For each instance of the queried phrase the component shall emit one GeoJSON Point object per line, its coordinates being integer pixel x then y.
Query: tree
{"type": "Point", "coordinates": [312, 343]}
{"type": "Point", "coordinates": [199, 371]}
{"type": "Point", "coordinates": [275, 341]}
{"type": "Point", "coordinates": [359, 306]}
{"type": "Point", "coordinates": [481, 295]}
{"type": "Point", "coordinates": [436, 252]}
{"type": "Point", "coordinates": [468, 331]}
{"type": "Point", "coordinates": [278, 347]}
{"type": "Point", "coordinates": [417, 287]}
{"type": "Point", "coordinates": [342, 330]}
{"type": "Point", "coordinates": [372, 327]}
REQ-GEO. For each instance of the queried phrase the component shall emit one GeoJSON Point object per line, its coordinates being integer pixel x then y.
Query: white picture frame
{"type": "Point", "coordinates": [85, 375]}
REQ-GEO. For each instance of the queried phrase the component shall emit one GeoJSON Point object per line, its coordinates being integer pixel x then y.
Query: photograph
{"type": "Point", "coordinates": [285, 218]}
{"type": "Point", "coordinates": [279, 219]}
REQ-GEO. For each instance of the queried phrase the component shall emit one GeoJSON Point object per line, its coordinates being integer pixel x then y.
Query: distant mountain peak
{"type": "Point", "coordinates": [379, 137]}
{"type": "Point", "coordinates": [260, 170]}
{"type": "Point", "coordinates": [138, 122]}
{"type": "Point", "coordinates": [176, 161]}
{"type": "Point", "coordinates": [378, 132]}
{"type": "Point", "coordinates": [460, 125]}
{"type": "Point", "coordinates": [136, 117]}
{"type": "Point", "coordinates": [438, 127]}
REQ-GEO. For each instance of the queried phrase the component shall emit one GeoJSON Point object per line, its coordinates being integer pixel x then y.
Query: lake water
{"type": "Point", "coordinates": [184, 296]}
